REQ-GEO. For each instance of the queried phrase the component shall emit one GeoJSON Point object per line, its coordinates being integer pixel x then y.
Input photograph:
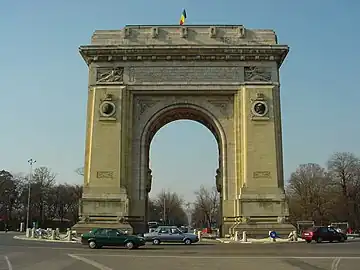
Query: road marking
{"type": "Point", "coordinates": [211, 257]}
{"type": "Point", "coordinates": [8, 262]}
{"type": "Point", "coordinates": [90, 262]}
{"type": "Point", "coordinates": [335, 263]}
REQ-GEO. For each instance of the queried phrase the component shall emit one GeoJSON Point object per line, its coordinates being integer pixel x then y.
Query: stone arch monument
{"type": "Point", "coordinates": [143, 77]}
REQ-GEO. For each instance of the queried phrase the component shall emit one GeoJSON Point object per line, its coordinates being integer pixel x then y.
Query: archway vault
{"type": "Point", "coordinates": [165, 109]}
{"type": "Point", "coordinates": [184, 111]}
{"type": "Point", "coordinates": [225, 77]}
{"type": "Point", "coordinates": [171, 113]}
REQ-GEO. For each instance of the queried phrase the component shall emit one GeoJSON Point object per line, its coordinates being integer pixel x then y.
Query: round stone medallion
{"type": "Point", "coordinates": [107, 109]}
{"type": "Point", "coordinates": [259, 108]}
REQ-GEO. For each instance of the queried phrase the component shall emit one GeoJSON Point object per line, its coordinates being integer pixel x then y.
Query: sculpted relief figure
{"type": "Point", "coordinates": [148, 181]}
{"type": "Point", "coordinates": [218, 180]}
{"type": "Point", "coordinates": [114, 75]}
{"type": "Point", "coordinates": [257, 74]}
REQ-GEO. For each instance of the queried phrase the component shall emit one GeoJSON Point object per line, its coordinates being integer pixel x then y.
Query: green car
{"type": "Point", "coordinates": [100, 237]}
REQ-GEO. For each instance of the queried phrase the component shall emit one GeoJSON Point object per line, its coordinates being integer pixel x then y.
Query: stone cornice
{"type": "Point", "coordinates": [109, 53]}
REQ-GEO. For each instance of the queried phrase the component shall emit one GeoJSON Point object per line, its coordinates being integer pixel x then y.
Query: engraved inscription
{"type": "Point", "coordinates": [257, 74]}
{"type": "Point", "coordinates": [262, 174]}
{"type": "Point", "coordinates": [104, 174]}
{"type": "Point", "coordinates": [188, 74]}
{"type": "Point", "coordinates": [231, 40]}
{"type": "Point", "coordinates": [106, 75]}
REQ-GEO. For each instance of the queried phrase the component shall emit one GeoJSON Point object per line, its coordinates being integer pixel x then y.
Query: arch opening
{"type": "Point", "coordinates": [169, 115]}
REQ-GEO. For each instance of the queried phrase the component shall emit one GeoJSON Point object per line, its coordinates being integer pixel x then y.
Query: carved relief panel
{"type": "Point", "coordinates": [257, 74]}
{"type": "Point", "coordinates": [110, 75]}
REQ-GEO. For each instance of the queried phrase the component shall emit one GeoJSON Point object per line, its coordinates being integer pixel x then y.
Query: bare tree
{"type": "Point", "coordinates": [344, 168]}
{"type": "Point", "coordinates": [43, 182]}
{"type": "Point", "coordinates": [309, 192]}
{"type": "Point", "coordinates": [206, 206]}
{"type": "Point", "coordinates": [170, 206]}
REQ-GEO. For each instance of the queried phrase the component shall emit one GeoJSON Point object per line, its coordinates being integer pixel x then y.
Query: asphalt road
{"type": "Point", "coordinates": [31, 255]}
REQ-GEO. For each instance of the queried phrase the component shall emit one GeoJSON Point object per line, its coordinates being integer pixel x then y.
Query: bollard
{"type": "Point", "coordinates": [295, 235]}
{"type": "Point", "coordinates": [68, 235]}
{"type": "Point", "coordinates": [271, 239]}
{"type": "Point", "coordinates": [57, 232]}
{"type": "Point", "coordinates": [22, 226]}
{"type": "Point", "coordinates": [199, 235]}
{"type": "Point", "coordinates": [32, 232]}
{"type": "Point", "coordinates": [28, 230]}
{"type": "Point", "coordinates": [53, 235]}
{"type": "Point", "coordinates": [236, 238]}
{"type": "Point", "coordinates": [244, 237]}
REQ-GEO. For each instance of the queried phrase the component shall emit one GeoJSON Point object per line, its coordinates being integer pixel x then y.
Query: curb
{"type": "Point", "coordinates": [45, 240]}
{"type": "Point", "coordinates": [257, 242]}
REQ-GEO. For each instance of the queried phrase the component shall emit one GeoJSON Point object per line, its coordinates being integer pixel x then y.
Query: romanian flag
{"type": "Point", "coordinates": [183, 17]}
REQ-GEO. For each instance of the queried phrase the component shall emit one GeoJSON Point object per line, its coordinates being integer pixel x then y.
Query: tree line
{"type": "Point", "coordinates": [51, 204]}
{"type": "Point", "coordinates": [314, 193]}
{"type": "Point", "coordinates": [326, 194]}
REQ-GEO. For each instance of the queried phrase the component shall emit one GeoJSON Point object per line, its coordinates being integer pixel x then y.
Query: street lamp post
{"type": "Point", "coordinates": [31, 163]}
{"type": "Point", "coordinates": [188, 210]}
{"type": "Point", "coordinates": [164, 210]}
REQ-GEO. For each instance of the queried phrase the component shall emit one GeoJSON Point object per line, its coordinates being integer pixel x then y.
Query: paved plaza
{"type": "Point", "coordinates": [31, 255]}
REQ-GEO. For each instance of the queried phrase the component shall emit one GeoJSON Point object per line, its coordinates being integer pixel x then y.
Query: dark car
{"type": "Point", "coordinates": [320, 234]}
{"type": "Point", "coordinates": [100, 237]}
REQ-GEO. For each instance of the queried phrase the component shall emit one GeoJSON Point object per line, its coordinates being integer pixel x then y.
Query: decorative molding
{"type": "Point", "coordinates": [110, 75]}
{"type": "Point", "coordinates": [257, 74]}
{"type": "Point", "coordinates": [94, 53]}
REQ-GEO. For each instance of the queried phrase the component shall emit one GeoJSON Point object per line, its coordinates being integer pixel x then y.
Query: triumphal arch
{"type": "Point", "coordinates": [223, 76]}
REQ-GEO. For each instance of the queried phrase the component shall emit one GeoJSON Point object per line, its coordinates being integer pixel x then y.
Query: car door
{"type": "Point", "coordinates": [116, 238]}
{"type": "Point", "coordinates": [164, 235]}
{"type": "Point", "coordinates": [176, 235]}
{"type": "Point", "coordinates": [101, 237]}
{"type": "Point", "coordinates": [333, 234]}
{"type": "Point", "coordinates": [324, 233]}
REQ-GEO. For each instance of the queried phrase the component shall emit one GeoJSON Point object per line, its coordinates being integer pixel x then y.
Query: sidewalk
{"type": "Point", "coordinates": [258, 241]}
{"type": "Point", "coordinates": [269, 241]}
{"type": "Point", "coordinates": [23, 237]}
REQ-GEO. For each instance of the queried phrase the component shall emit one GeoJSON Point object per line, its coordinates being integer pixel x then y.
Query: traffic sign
{"type": "Point", "coordinates": [273, 234]}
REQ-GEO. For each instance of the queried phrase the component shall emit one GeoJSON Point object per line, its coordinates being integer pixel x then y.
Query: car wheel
{"type": "Point", "coordinates": [319, 240]}
{"type": "Point", "coordinates": [92, 245]}
{"type": "Point", "coordinates": [308, 241]}
{"type": "Point", "coordinates": [187, 241]}
{"type": "Point", "coordinates": [342, 239]}
{"type": "Point", "coordinates": [129, 245]}
{"type": "Point", "coordinates": [156, 242]}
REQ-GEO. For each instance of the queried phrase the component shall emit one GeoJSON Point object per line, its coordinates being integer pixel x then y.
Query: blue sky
{"type": "Point", "coordinates": [44, 82]}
